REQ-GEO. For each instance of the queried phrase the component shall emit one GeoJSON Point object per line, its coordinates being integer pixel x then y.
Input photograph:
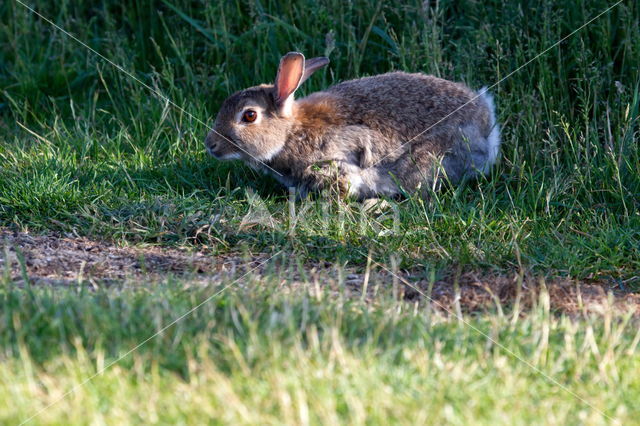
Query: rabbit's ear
{"type": "Point", "coordinates": [290, 73]}
{"type": "Point", "coordinates": [312, 65]}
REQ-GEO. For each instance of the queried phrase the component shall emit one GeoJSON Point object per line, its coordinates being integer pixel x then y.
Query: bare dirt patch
{"type": "Point", "coordinates": [65, 260]}
{"type": "Point", "coordinates": [471, 292]}
{"type": "Point", "coordinates": [62, 260]}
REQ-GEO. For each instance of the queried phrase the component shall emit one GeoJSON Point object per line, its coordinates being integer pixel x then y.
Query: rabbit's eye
{"type": "Point", "coordinates": [249, 116]}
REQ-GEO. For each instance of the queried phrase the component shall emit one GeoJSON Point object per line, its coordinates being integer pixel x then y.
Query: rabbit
{"type": "Point", "coordinates": [384, 135]}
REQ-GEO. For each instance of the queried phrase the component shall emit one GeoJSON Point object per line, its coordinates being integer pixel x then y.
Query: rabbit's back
{"type": "Point", "coordinates": [402, 105]}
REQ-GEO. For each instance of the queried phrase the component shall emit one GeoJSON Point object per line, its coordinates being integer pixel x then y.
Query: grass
{"type": "Point", "coordinates": [234, 359]}
{"type": "Point", "coordinates": [86, 150]}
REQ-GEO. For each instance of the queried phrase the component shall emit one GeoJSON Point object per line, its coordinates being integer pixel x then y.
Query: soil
{"type": "Point", "coordinates": [69, 260]}
{"type": "Point", "coordinates": [64, 260]}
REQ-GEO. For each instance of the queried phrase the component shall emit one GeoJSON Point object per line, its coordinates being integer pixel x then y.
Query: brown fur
{"type": "Point", "coordinates": [317, 112]}
{"type": "Point", "coordinates": [377, 132]}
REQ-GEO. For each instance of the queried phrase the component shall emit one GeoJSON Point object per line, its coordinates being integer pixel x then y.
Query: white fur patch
{"type": "Point", "coordinates": [355, 183]}
{"type": "Point", "coordinates": [494, 137]}
{"type": "Point", "coordinates": [287, 106]}
{"type": "Point", "coordinates": [269, 155]}
{"type": "Point", "coordinates": [232, 156]}
{"type": "Point", "coordinates": [371, 182]}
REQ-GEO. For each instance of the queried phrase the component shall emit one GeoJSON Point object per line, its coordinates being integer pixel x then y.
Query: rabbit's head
{"type": "Point", "coordinates": [253, 124]}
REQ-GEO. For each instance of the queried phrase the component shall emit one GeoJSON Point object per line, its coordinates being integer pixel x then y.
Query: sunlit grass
{"type": "Point", "coordinates": [256, 355]}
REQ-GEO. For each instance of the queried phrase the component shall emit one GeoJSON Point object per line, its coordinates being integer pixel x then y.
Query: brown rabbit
{"type": "Point", "coordinates": [374, 136]}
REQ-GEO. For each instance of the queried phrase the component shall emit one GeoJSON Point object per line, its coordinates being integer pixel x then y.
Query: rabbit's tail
{"type": "Point", "coordinates": [493, 139]}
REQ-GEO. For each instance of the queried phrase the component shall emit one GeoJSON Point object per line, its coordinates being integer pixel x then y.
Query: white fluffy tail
{"type": "Point", "coordinates": [493, 140]}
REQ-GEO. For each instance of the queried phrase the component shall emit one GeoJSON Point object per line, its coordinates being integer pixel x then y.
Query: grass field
{"type": "Point", "coordinates": [89, 154]}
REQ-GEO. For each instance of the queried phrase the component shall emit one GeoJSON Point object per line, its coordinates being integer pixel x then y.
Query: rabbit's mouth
{"type": "Point", "coordinates": [220, 154]}
{"type": "Point", "coordinates": [222, 149]}
{"type": "Point", "coordinates": [227, 156]}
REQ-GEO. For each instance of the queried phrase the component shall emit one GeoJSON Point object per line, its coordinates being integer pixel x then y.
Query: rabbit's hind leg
{"type": "Point", "coordinates": [361, 183]}
{"type": "Point", "coordinates": [421, 170]}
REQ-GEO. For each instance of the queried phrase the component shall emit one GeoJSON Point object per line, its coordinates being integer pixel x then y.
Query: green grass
{"type": "Point", "coordinates": [112, 160]}
{"type": "Point", "coordinates": [270, 354]}
{"type": "Point", "coordinates": [86, 150]}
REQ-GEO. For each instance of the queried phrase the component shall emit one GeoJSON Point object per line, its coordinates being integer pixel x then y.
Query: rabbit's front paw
{"type": "Point", "coordinates": [329, 176]}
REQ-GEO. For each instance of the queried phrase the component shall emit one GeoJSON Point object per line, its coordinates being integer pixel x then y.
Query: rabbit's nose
{"type": "Point", "coordinates": [212, 148]}
{"type": "Point", "coordinates": [210, 141]}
